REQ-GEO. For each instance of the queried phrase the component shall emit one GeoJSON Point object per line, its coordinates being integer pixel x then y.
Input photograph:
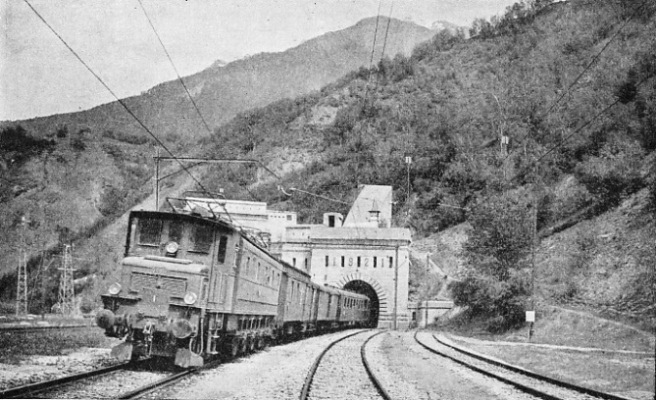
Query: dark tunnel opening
{"type": "Point", "coordinates": [366, 289]}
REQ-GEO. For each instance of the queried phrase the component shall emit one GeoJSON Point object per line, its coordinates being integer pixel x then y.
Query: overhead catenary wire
{"type": "Point", "coordinates": [122, 103]}
{"type": "Point", "coordinates": [150, 22]}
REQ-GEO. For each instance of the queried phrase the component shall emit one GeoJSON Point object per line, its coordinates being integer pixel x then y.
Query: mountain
{"type": "Point", "coordinates": [222, 91]}
{"type": "Point", "coordinates": [71, 175]}
{"type": "Point", "coordinates": [445, 25]}
{"type": "Point", "coordinates": [579, 171]}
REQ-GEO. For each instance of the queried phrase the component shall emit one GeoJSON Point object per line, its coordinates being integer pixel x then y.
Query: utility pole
{"type": "Point", "coordinates": [504, 154]}
{"type": "Point", "coordinates": [21, 276]}
{"type": "Point", "coordinates": [21, 285]}
{"type": "Point", "coordinates": [157, 177]}
{"type": "Point", "coordinates": [408, 161]}
{"type": "Point", "coordinates": [396, 286]}
{"type": "Point", "coordinates": [66, 289]}
{"type": "Point", "coordinates": [530, 316]}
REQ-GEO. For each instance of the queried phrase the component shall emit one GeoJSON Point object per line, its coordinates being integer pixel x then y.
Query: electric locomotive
{"type": "Point", "coordinates": [193, 286]}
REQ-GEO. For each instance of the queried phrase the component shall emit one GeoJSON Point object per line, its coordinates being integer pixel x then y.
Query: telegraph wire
{"type": "Point", "coordinates": [122, 103]}
{"type": "Point", "coordinates": [596, 57]}
{"type": "Point", "coordinates": [613, 104]}
{"type": "Point", "coordinates": [389, 20]}
{"type": "Point", "coordinates": [373, 47]}
{"type": "Point", "coordinates": [174, 68]}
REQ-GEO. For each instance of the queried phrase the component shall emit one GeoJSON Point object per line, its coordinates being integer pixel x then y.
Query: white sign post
{"type": "Point", "coordinates": [530, 316]}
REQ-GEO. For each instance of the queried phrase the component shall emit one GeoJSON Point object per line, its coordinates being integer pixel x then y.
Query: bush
{"type": "Point", "coordinates": [614, 174]}
{"type": "Point", "coordinates": [496, 282]}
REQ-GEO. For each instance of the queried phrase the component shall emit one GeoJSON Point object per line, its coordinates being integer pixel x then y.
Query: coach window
{"type": "Point", "coordinates": [391, 260]}
{"type": "Point", "coordinates": [343, 261]}
{"type": "Point", "coordinates": [358, 261]}
{"type": "Point", "coordinates": [294, 262]}
{"type": "Point", "coordinates": [375, 261]}
{"type": "Point", "coordinates": [149, 231]}
{"type": "Point", "coordinates": [305, 262]}
{"type": "Point", "coordinates": [327, 260]}
{"type": "Point", "coordinates": [223, 245]}
{"type": "Point", "coordinates": [202, 238]}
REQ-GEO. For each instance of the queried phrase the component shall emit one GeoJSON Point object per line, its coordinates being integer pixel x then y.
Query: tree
{"type": "Point", "coordinates": [496, 281]}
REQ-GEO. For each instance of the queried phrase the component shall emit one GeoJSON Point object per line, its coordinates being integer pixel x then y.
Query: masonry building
{"type": "Point", "coordinates": [361, 252]}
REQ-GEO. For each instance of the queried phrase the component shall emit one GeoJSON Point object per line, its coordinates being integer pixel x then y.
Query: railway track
{"type": "Point", "coordinates": [36, 329]}
{"type": "Point", "coordinates": [40, 387]}
{"type": "Point", "coordinates": [339, 373]}
{"type": "Point", "coordinates": [527, 381]}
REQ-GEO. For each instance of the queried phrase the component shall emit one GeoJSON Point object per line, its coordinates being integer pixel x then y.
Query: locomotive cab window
{"type": "Point", "coordinates": [150, 230]}
{"type": "Point", "coordinates": [175, 231]}
{"type": "Point", "coordinates": [202, 238]}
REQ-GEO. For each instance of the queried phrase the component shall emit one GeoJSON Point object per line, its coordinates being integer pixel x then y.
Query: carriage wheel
{"type": "Point", "coordinates": [233, 348]}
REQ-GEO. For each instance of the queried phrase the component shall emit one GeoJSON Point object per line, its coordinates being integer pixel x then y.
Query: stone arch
{"type": "Point", "coordinates": [381, 298]}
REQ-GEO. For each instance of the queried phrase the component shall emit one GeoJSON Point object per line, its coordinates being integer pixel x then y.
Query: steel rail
{"type": "Point", "coordinates": [32, 388]}
{"type": "Point", "coordinates": [522, 387]}
{"type": "Point", "coordinates": [162, 383]}
{"type": "Point", "coordinates": [31, 329]}
{"type": "Point", "coordinates": [313, 369]}
{"type": "Point", "coordinates": [514, 368]}
{"type": "Point", "coordinates": [379, 387]}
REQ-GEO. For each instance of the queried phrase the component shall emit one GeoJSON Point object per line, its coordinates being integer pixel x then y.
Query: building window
{"type": "Point", "coordinates": [223, 245]}
{"type": "Point", "coordinates": [343, 261]}
{"type": "Point", "coordinates": [289, 218]}
{"type": "Point", "coordinates": [375, 261]}
{"type": "Point", "coordinates": [391, 260]}
{"type": "Point", "coordinates": [327, 261]}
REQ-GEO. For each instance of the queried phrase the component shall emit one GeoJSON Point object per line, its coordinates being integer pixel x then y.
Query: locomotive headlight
{"type": "Point", "coordinates": [171, 247]}
{"type": "Point", "coordinates": [190, 298]}
{"type": "Point", "coordinates": [115, 288]}
{"type": "Point", "coordinates": [181, 328]}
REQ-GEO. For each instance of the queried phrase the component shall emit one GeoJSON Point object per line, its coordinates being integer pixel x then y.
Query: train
{"type": "Point", "coordinates": [194, 286]}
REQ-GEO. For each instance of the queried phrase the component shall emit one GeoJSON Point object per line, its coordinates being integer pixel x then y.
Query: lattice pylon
{"type": "Point", "coordinates": [66, 289]}
{"type": "Point", "coordinates": [21, 284]}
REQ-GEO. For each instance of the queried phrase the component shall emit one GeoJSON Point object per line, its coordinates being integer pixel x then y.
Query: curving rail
{"type": "Point", "coordinates": [571, 386]}
{"type": "Point", "coordinates": [525, 388]}
{"type": "Point", "coordinates": [305, 392]}
{"type": "Point", "coordinates": [379, 387]}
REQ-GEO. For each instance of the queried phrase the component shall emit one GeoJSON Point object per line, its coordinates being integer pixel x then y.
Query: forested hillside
{"type": "Point", "coordinates": [70, 175]}
{"type": "Point", "coordinates": [571, 84]}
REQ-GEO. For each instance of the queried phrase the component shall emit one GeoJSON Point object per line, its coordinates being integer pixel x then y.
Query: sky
{"type": "Point", "coordinates": [39, 76]}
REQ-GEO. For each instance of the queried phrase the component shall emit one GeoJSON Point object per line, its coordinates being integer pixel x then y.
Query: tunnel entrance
{"type": "Point", "coordinates": [364, 288]}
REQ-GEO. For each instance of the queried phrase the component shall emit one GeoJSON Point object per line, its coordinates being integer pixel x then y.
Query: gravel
{"type": "Point", "coordinates": [341, 373]}
{"type": "Point", "coordinates": [434, 377]}
{"type": "Point", "coordinates": [41, 368]}
{"type": "Point", "coordinates": [551, 389]}
{"type": "Point", "coordinates": [106, 386]}
{"type": "Point", "coordinates": [275, 373]}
